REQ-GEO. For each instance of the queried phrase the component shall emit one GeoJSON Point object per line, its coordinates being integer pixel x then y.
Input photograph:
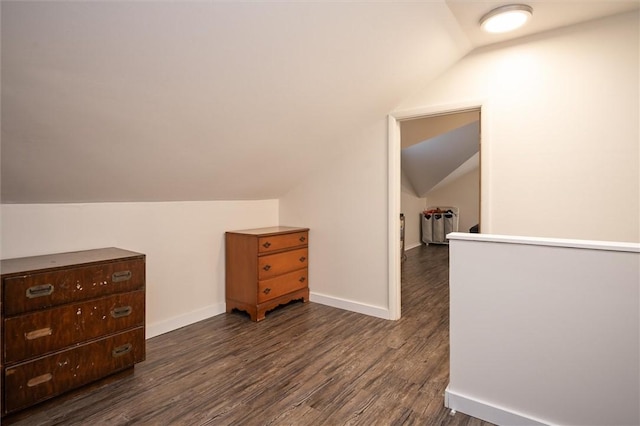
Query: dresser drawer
{"type": "Point", "coordinates": [45, 377]}
{"type": "Point", "coordinates": [31, 335]}
{"type": "Point", "coordinates": [278, 264]}
{"type": "Point", "coordinates": [283, 284]}
{"type": "Point", "coordinates": [41, 290]}
{"type": "Point", "coordinates": [284, 241]}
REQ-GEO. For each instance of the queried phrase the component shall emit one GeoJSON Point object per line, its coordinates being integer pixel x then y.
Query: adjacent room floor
{"type": "Point", "coordinates": [305, 364]}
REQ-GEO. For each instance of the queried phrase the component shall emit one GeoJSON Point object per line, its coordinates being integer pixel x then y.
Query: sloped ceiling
{"type": "Point", "coordinates": [547, 15]}
{"type": "Point", "coordinates": [428, 163]}
{"type": "Point", "coordinates": [144, 101]}
{"type": "Point", "coordinates": [420, 129]}
{"type": "Point", "coordinates": [468, 166]}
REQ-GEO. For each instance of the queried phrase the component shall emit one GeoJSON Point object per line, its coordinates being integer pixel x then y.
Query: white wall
{"type": "Point", "coordinates": [560, 131]}
{"type": "Point", "coordinates": [464, 193]}
{"type": "Point", "coordinates": [544, 331]}
{"type": "Point", "coordinates": [412, 206]}
{"type": "Point", "coordinates": [561, 111]}
{"type": "Point", "coordinates": [183, 242]}
{"type": "Point", "coordinates": [345, 207]}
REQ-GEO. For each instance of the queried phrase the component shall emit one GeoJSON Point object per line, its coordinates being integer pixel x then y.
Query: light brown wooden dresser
{"type": "Point", "coordinates": [69, 319]}
{"type": "Point", "coordinates": [265, 268]}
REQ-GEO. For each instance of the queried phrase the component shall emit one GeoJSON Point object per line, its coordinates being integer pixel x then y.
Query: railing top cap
{"type": "Point", "coordinates": [540, 241]}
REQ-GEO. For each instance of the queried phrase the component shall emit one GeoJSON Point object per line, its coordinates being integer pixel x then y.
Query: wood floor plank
{"type": "Point", "coordinates": [306, 364]}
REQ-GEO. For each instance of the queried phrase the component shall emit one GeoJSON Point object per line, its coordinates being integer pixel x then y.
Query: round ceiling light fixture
{"type": "Point", "coordinates": [506, 18]}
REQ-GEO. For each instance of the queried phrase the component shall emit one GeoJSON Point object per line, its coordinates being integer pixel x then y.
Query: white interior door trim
{"type": "Point", "coordinates": [393, 219]}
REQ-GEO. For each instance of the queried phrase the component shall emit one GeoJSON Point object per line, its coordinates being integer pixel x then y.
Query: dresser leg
{"type": "Point", "coordinates": [254, 314]}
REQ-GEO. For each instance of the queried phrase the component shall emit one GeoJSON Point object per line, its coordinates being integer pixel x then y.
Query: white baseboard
{"type": "Point", "coordinates": [349, 305]}
{"type": "Point", "coordinates": [180, 321]}
{"type": "Point", "coordinates": [170, 324]}
{"type": "Point", "coordinates": [412, 246]}
{"type": "Point", "coordinates": [487, 412]}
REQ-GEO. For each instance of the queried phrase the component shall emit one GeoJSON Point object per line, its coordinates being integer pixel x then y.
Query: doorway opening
{"type": "Point", "coordinates": [431, 132]}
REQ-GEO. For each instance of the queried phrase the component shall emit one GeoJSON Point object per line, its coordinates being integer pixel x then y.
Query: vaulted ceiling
{"type": "Point", "coordinates": [429, 162]}
{"type": "Point", "coordinates": [142, 101]}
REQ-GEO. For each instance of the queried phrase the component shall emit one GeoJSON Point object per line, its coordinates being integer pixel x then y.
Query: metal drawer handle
{"type": "Point", "coordinates": [39, 290]}
{"type": "Point", "coordinates": [267, 290]}
{"type": "Point", "coordinates": [122, 311]}
{"type": "Point", "coordinates": [39, 380]}
{"type": "Point", "coordinates": [302, 259]}
{"type": "Point", "coordinates": [266, 245]}
{"type": "Point", "coordinates": [36, 334]}
{"type": "Point", "coordinates": [302, 279]}
{"type": "Point", "coordinates": [121, 276]}
{"type": "Point", "coordinates": [302, 239]}
{"type": "Point", "coordinates": [122, 350]}
{"type": "Point", "coordinates": [267, 267]}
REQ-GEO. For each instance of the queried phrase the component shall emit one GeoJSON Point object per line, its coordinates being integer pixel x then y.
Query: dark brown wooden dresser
{"type": "Point", "coordinates": [266, 267]}
{"type": "Point", "coordinates": [68, 319]}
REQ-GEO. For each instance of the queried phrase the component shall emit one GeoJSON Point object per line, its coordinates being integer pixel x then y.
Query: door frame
{"type": "Point", "coordinates": [394, 170]}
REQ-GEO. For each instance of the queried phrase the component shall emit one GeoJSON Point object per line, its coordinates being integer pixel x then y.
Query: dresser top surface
{"type": "Point", "coordinates": [61, 260]}
{"type": "Point", "coordinates": [269, 230]}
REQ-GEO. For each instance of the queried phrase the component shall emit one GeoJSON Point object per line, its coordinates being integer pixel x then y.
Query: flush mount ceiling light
{"type": "Point", "coordinates": [506, 18]}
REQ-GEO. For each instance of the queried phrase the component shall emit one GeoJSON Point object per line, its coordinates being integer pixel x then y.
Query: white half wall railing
{"type": "Point", "coordinates": [544, 331]}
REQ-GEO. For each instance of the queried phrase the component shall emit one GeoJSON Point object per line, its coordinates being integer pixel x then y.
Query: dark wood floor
{"type": "Point", "coordinates": [306, 364]}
